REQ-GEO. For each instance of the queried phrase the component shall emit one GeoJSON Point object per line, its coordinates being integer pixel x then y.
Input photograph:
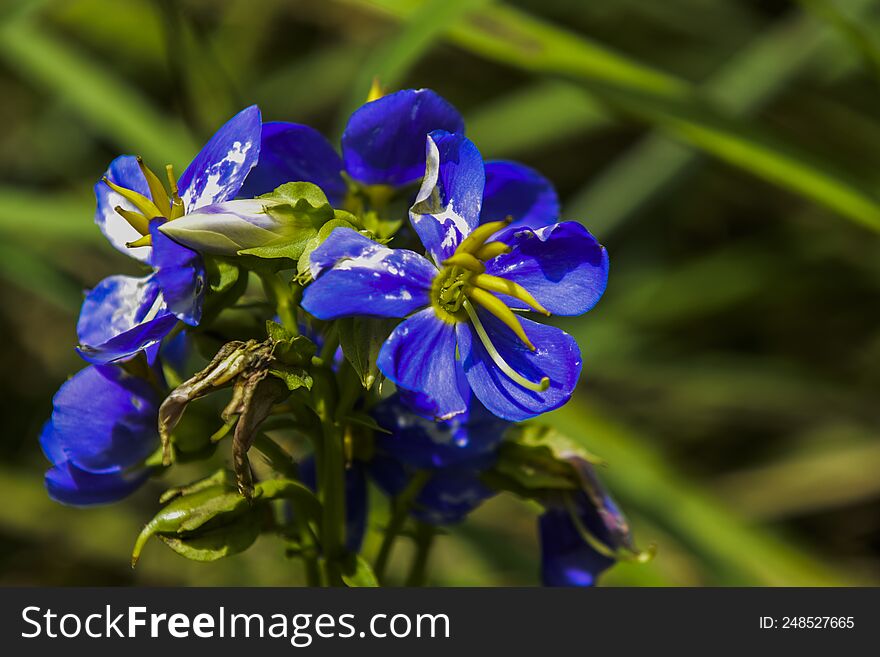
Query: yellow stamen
{"type": "Point", "coordinates": [476, 239]}
{"type": "Point", "coordinates": [146, 240]}
{"type": "Point", "coordinates": [504, 286]}
{"type": "Point", "coordinates": [502, 365]}
{"type": "Point", "coordinates": [157, 191]}
{"type": "Point", "coordinates": [498, 308]}
{"type": "Point", "coordinates": [376, 90]}
{"type": "Point", "coordinates": [141, 202]}
{"type": "Point", "coordinates": [177, 208]}
{"type": "Point", "coordinates": [135, 219]}
{"type": "Point", "coordinates": [465, 261]}
{"type": "Point", "coordinates": [492, 250]}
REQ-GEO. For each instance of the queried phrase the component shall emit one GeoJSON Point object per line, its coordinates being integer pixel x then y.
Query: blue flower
{"type": "Point", "coordinates": [455, 453]}
{"type": "Point", "coordinates": [103, 426]}
{"type": "Point", "coordinates": [123, 314]}
{"type": "Point", "coordinates": [583, 535]}
{"type": "Point", "coordinates": [355, 500]}
{"type": "Point", "coordinates": [460, 330]}
{"type": "Point", "coordinates": [384, 144]}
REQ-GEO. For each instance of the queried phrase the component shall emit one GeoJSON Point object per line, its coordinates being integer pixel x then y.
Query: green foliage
{"type": "Point", "coordinates": [361, 339]}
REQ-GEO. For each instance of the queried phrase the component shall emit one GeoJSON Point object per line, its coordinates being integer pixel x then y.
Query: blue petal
{"type": "Point", "coordinates": [121, 316]}
{"type": "Point", "coordinates": [217, 173]}
{"type": "Point", "coordinates": [419, 356]}
{"type": "Point", "coordinates": [566, 558]}
{"type": "Point", "coordinates": [562, 266]}
{"type": "Point", "coordinates": [518, 191]}
{"type": "Point", "coordinates": [291, 152]}
{"type": "Point", "coordinates": [356, 276]}
{"type": "Point", "coordinates": [69, 485]}
{"type": "Point", "coordinates": [125, 172]}
{"type": "Point", "coordinates": [447, 497]}
{"type": "Point", "coordinates": [384, 141]}
{"type": "Point", "coordinates": [447, 207]}
{"type": "Point", "coordinates": [557, 356]}
{"type": "Point", "coordinates": [103, 421]}
{"type": "Point", "coordinates": [355, 499]}
{"type": "Point", "coordinates": [180, 275]}
{"type": "Point", "coordinates": [424, 443]}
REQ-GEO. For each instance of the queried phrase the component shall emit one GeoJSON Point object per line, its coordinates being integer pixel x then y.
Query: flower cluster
{"type": "Point", "coordinates": [395, 350]}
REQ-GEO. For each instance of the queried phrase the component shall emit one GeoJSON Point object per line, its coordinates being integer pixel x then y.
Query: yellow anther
{"type": "Point", "coordinates": [157, 191]}
{"type": "Point", "coordinates": [141, 202]}
{"type": "Point", "coordinates": [465, 261]}
{"type": "Point", "coordinates": [177, 207]}
{"type": "Point", "coordinates": [135, 219]}
{"type": "Point", "coordinates": [172, 181]}
{"type": "Point", "coordinates": [498, 308]}
{"type": "Point", "coordinates": [492, 250]}
{"type": "Point", "coordinates": [504, 286]}
{"type": "Point", "coordinates": [146, 240]}
{"type": "Point", "coordinates": [476, 239]}
{"type": "Point", "coordinates": [376, 90]}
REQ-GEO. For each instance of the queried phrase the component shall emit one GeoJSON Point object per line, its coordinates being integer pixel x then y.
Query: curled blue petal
{"type": "Point", "coordinates": [420, 356]}
{"type": "Point", "coordinates": [515, 190]}
{"type": "Point", "coordinates": [217, 173]}
{"type": "Point", "coordinates": [384, 141]}
{"type": "Point", "coordinates": [447, 207]}
{"type": "Point", "coordinates": [180, 275]}
{"type": "Point", "coordinates": [567, 559]}
{"type": "Point", "coordinates": [556, 356]}
{"type": "Point", "coordinates": [68, 484]}
{"type": "Point", "coordinates": [125, 172]}
{"type": "Point", "coordinates": [356, 276]}
{"type": "Point", "coordinates": [562, 266]}
{"type": "Point", "coordinates": [291, 152]}
{"type": "Point", "coordinates": [355, 499]}
{"type": "Point", "coordinates": [103, 421]}
{"type": "Point", "coordinates": [121, 316]}
{"type": "Point", "coordinates": [423, 443]}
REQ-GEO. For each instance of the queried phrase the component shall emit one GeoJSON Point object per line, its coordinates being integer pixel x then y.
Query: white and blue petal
{"type": "Point", "coordinates": [103, 421]}
{"type": "Point", "coordinates": [517, 191]}
{"type": "Point", "coordinates": [356, 276]}
{"type": "Point", "coordinates": [447, 207]}
{"type": "Point", "coordinates": [121, 316]}
{"type": "Point", "coordinates": [218, 172]}
{"type": "Point", "coordinates": [292, 152]}
{"type": "Point", "coordinates": [420, 356]}
{"type": "Point", "coordinates": [562, 266]}
{"type": "Point", "coordinates": [557, 357]}
{"type": "Point", "coordinates": [384, 141]}
{"type": "Point", "coordinates": [180, 275]}
{"type": "Point", "coordinates": [125, 172]}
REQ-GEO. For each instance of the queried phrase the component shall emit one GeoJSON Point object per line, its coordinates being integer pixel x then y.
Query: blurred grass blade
{"type": "Point", "coordinates": [112, 108]}
{"type": "Point", "coordinates": [862, 39]}
{"type": "Point", "coordinates": [34, 274]}
{"type": "Point", "coordinates": [639, 477]}
{"type": "Point", "coordinates": [47, 217]}
{"type": "Point", "coordinates": [518, 39]}
{"type": "Point", "coordinates": [393, 58]}
{"type": "Point", "coordinates": [507, 126]}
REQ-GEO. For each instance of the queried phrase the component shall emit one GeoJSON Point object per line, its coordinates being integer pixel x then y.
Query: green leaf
{"type": "Point", "coordinates": [293, 377]}
{"type": "Point", "coordinates": [217, 543]}
{"type": "Point", "coordinates": [222, 274]}
{"type": "Point", "coordinates": [290, 349]}
{"type": "Point", "coordinates": [358, 573]}
{"type": "Point", "coordinates": [361, 339]}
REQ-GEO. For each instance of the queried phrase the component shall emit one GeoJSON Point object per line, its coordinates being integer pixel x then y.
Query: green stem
{"type": "Point", "coordinates": [283, 297]}
{"type": "Point", "coordinates": [402, 505]}
{"type": "Point", "coordinates": [418, 573]}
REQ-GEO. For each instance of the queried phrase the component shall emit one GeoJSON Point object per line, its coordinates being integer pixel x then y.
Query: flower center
{"type": "Point", "coordinates": [463, 282]}
{"type": "Point", "coordinates": [162, 203]}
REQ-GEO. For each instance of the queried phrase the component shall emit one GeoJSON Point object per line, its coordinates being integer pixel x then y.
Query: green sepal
{"type": "Point", "coordinates": [217, 543]}
{"type": "Point", "coordinates": [361, 339]}
{"type": "Point", "coordinates": [293, 377]}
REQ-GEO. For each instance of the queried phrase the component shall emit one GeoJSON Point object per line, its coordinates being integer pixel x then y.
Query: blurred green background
{"type": "Point", "coordinates": [727, 152]}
